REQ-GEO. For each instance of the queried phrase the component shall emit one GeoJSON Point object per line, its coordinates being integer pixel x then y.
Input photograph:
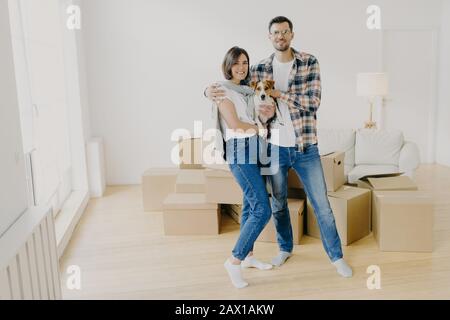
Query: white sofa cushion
{"type": "Point", "coordinates": [378, 147]}
{"type": "Point", "coordinates": [331, 140]}
{"type": "Point", "coordinates": [364, 170]}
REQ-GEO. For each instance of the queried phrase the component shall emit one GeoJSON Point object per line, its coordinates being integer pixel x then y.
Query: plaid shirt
{"type": "Point", "coordinates": [303, 96]}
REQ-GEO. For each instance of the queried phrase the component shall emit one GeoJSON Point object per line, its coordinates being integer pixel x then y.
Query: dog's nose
{"type": "Point", "coordinates": [263, 97]}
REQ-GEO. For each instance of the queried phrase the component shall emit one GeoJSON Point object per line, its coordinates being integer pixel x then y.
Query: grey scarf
{"type": "Point", "coordinates": [247, 94]}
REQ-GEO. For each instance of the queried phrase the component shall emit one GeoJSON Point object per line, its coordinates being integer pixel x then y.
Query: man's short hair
{"type": "Point", "coordinates": [280, 19]}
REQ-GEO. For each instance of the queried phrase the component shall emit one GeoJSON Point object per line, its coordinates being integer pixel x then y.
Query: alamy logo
{"type": "Point", "coordinates": [374, 280]}
{"type": "Point", "coordinates": [374, 18]}
{"type": "Point", "coordinates": [74, 279]}
{"type": "Point", "coordinates": [74, 19]}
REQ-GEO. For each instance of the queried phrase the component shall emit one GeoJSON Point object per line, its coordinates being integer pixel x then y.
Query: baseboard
{"type": "Point", "coordinates": [68, 218]}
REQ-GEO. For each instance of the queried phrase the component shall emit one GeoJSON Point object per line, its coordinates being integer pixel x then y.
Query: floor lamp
{"type": "Point", "coordinates": [371, 85]}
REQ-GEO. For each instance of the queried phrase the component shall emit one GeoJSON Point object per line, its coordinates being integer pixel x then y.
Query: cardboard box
{"type": "Point", "coordinates": [190, 181]}
{"type": "Point", "coordinates": [294, 193]}
{"type": "Point", "coordinates": [190, 214]}
{"type": "Point", "coordinates": [234, 211]}
{"type": "Point", "coordinates": [221, 187]}
{"type": "Point", "coordinates": [296, 212]}
{"type": "Point", "coordinates": [222, 167]}
{"type": "Point", "coordinates": [191, 153]}
{"type": "Point", "coordinates": [294, 182]}
{"type": "Point", "coordinates": [157, 184]}
{"type": "Point", "coordinates": [333, 170]}
{"type": "Point", "coordinates": [385, 182]}
{"type": "Point", "coordinates": [351, 209]}
{"type": "Point", "coordinates": [403, 221]}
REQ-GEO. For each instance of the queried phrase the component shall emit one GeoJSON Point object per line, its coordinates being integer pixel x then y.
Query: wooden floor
{"type": "Point", "coordinates": [123, 254]}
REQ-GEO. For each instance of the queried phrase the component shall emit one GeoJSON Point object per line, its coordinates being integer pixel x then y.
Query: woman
{"type": "Point", "coordinates": [241, 150]}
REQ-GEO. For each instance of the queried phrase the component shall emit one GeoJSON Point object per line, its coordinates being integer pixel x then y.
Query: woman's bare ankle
{"type": "Point", "coordinates": [235, 261]}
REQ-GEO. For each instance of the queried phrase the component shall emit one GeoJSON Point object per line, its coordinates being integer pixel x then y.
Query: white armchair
{"type": "Point", "coordinates": [370, 151]}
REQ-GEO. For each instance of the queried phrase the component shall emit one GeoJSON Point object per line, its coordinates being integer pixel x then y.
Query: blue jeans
{"type": "Point", "coordinates": [308, 167]}
{"type": "Point", "coordinates": [242, 157]}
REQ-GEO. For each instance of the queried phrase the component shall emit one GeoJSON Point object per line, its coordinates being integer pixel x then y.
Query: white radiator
{"type": "Point", "coordinates": [29, 267]}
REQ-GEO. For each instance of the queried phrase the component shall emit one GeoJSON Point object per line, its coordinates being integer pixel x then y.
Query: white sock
{"type": "Point", "coordinates": [234, 272]}
{"type": "Point", "coordinates": [251, 262]}
{"type": "Point", "coordinates": [281, 258]}
{"type": "Point", "coordinates": [343, 268]}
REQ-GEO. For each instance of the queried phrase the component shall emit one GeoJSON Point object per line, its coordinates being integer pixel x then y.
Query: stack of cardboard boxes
{"type": "Point", "coordinates": [400, 217]}
{"type": "Point", "coordinates": [181, 194]}
{"type": "Point", "coordinates": [191, 197]}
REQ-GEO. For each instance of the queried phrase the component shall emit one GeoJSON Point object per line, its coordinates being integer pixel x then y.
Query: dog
{"type": "Point", "coordinates": [262, 95]}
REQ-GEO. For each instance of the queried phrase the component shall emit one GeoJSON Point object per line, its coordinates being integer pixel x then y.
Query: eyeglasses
{"type": "Point", "coordinates": [282, 33]}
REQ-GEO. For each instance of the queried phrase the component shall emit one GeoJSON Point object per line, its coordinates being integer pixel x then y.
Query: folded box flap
{"type": "Point", "coordinates": [393, 183]}
{"type": "Point", "coordinates": [381, 175]}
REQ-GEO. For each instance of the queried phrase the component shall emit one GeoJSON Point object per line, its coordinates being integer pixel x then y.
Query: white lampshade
{"type": "Point", "coordinates": [372, 84]}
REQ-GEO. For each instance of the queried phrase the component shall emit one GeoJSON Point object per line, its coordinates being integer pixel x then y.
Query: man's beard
{"type": "Point", "coordinates": [282, 48]}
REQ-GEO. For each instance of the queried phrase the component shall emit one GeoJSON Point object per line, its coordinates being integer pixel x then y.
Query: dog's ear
{"type": "Point", "coordinates": [271, 84]}
{"type": "Point", "coordinates": [253, 85]}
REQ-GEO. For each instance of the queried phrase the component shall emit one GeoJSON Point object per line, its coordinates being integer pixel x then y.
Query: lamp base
{"type": "Point", "coordinates": [370, 125]}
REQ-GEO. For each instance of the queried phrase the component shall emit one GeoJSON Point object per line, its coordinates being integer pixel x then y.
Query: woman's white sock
{"type": "Point", "coordinates": [252, 262]}
{"type": "Point", "coordinates": [343, 268]}
{"type": "Point", "coordinates": [234, 272]}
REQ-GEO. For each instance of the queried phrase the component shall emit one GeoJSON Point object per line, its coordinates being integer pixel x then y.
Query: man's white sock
{"type": "Point", "coordinates": [281, 258]}
{"type": "Point", "coordinates": [252, 262]}
{"type": "Point", "coordinates": [343, 268]}
{"type": "Point", "coordinates": [234, 272]}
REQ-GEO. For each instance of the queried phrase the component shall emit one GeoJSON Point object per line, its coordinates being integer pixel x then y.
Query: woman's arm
{"type": "Point", "coordinates": [228, 112]}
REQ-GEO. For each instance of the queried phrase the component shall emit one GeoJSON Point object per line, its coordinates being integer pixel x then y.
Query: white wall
{"type": "Point", "coordinates": [82, 78]}
{"type": "Point", "coordinates": [77, 103]}
{"type": "Point", "coordinates": [443, 114]}
{"type": "Point", "coordinates": [13, 190]}
{"type": "Point", "coordinates": [149, 61]}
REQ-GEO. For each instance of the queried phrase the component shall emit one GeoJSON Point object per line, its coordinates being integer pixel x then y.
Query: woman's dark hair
{"type": "Point", "coordinates": [231, 58]}
{"type": "Point", "coordinates": [280, 19]}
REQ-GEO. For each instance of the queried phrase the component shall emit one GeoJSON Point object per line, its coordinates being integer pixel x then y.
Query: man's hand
{"type": "Point", "coordinates": [215, 92]}
{"type": "Point", "coordinates": [266, 111]}
{"type": "Point", "coordinates": [275, 94]}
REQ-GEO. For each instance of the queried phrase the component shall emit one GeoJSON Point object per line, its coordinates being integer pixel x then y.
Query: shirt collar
{"type": "Point", "coordinates": [297, 56]}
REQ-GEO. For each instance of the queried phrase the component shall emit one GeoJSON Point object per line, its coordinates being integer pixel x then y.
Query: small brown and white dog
{"type": "Point", "coordinates": [262, 97]}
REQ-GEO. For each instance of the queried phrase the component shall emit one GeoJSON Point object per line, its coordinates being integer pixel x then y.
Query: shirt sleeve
{"type": "Point", "coordinates": [309, 100]}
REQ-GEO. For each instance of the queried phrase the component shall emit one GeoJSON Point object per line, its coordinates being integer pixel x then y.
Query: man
{"type": "Point", "coordinates": [298, 91]}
